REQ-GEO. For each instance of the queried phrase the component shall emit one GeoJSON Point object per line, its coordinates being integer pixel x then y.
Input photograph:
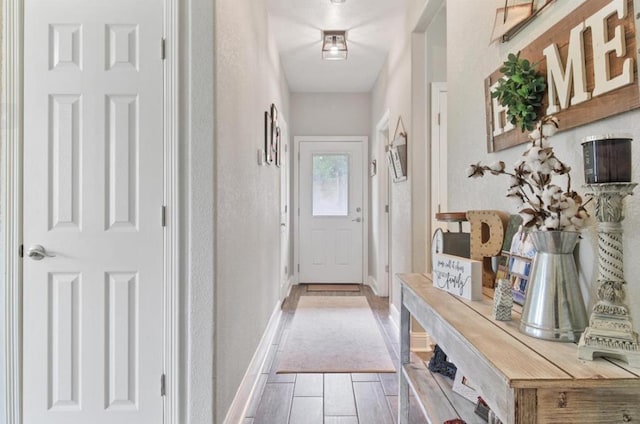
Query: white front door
{"type": "Point", "coordinates": [331, 211]}
{"type": "Point", "coordinates": [93, 192]}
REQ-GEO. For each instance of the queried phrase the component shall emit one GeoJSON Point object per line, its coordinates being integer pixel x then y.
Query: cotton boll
{"type": "Point", "coordinates": [527, 217]}
{"type": "Point", "coordinates": [534, 201]}
{"type": "Point", "coordinates": [497, 167]}
{"type": "Point", "coordinates": [544, 143]}
{"type": "Point", "coordinates": [548, 130]}
{"type": "Point", "coordinates": [535, 134]}
{"type": "Point", "coordinates": [552, 222]}
{"type": "Point", "coordinates": [551, 194]}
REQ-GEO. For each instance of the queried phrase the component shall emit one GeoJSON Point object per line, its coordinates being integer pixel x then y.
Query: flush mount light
{"type": "Point", "coordinates": [337, 1]}
{"type": "Point", "coordinates": [334, 45]}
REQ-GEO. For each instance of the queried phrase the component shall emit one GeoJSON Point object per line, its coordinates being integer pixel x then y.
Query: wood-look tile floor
{"type": "Point", "coordinates": [329, 398]}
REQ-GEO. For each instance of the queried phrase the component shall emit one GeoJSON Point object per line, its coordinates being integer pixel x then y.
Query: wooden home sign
{"type": "Point", "coordinates": [590, 61]}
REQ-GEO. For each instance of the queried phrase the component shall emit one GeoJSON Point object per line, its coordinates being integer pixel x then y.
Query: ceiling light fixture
{"type": "Point", "coordinates": [337, 1]}
{"type": "Point", "coordinates": [334, 45]}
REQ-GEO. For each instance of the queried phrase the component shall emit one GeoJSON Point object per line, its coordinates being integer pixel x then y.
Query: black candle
{"type": "Point", "coordinates": [607, 158]}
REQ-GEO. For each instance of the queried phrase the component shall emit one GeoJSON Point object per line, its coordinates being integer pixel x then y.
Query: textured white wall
{"type": "Point", "coordinates": [197, 213]}
{"type": "Point", "coordinates": [330, 114]}
{"type": "Point", "coordinates": [392, 91]}
{"type": "Point", "coordinates": [470, 59]}
{"type": "Point", "coordinates": [248, 80]}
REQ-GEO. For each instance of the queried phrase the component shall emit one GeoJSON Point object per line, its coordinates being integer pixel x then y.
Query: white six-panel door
{"type": "Point", "coordinates": [332, 215]}
{"type": "Point", "coordinates": [93, 192]}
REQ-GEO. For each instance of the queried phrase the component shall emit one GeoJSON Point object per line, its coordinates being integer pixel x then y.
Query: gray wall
{"type": "Point", "coordinates": [247, 196]}
{"type": "Point", "coordinates": [392, 91]}
{"type": "Point", "coordinates": [330, 114]}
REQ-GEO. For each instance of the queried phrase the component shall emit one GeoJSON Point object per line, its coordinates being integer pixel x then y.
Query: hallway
{"type": "Point", "coordinates": [328, 398]}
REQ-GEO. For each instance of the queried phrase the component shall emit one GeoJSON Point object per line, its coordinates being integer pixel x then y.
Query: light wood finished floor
{"type": "Point", "coordinates": [329, 398]}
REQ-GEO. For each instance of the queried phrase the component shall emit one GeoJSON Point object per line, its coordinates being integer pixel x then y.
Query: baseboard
{"type": "Point", "coordinates": [377, 290]}
{"type": "Point", "coordinates": [371, 282]}
{"type": "Point", "coordinates": [394, 315]}
{"type": "Point", "coordinates": [285, 289]}
{"type": "Point", "coordinates": [249, 383]}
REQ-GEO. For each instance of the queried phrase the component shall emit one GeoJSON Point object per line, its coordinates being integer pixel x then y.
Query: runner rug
{"type": "Point", "coordinates": [334, 334]}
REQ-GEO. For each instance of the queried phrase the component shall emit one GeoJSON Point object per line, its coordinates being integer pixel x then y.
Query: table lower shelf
{"type": "Point", "coordinates": [437, 400]}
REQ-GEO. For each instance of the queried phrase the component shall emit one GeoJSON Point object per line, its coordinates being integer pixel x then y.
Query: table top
{"type": "Point", "coordinates": [523, 361]}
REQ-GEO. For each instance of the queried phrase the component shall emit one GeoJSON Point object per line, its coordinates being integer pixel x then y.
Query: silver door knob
{"type": "Point", "coordinates": [38, 252]}
{"type": "Point", "coordinates": [357, 220]}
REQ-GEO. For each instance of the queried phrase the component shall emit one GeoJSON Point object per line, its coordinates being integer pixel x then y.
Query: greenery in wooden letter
{"type": "Point", "coordinates": [520, 91]}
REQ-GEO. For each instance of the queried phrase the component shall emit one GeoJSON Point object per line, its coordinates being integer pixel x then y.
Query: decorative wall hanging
{"type": "Point", "coordinates": [273, 134]}
{"type": "Point", "coordinates": [397, 153]}
{"type": "Point", "coordinates": [278, 147]}
{"type": "Point", "coordinates": [268, 158]}
{"type": "Point", "coordinates": [591, 68]}
{"type": "Point", "coordinates": [514, 16]}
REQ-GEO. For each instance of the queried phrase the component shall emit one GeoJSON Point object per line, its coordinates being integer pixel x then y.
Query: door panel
{"type": "Point", "coordinates": [93, 192]}
{"type": "Point", "coordinates": [331, 211]}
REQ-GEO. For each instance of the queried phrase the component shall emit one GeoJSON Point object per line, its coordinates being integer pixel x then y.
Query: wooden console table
{"type": "Point", "coordinates": [524, 380]}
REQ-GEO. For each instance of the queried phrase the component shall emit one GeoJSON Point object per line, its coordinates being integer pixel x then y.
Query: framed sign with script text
{"type": "Point", "coordinates": [457, 275]}
{"type": "Point", "coordinates": [590, 62]}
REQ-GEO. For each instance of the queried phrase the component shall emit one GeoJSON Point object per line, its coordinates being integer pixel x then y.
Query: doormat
{"type": "Point", "coordinates": [334, 334]}
{"type": "Point", "coordinates": [333, 287]}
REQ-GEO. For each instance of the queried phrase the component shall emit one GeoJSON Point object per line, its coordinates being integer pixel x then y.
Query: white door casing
{"type": "Point", "coordinates": [332, 210]}
{"type": "Point", "coordinates": [382, 180]}
{"type": "Point", "coordinates": [438, 156]}
{"type": "Point", "coordinates": [93, 191]}
{"type": "Point", "coordinates": [284, 210]}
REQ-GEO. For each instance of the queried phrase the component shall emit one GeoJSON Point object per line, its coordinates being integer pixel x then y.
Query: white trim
{"type": "Point", "coordinates": [285, 180]}
{"type": "Point", "coordinates": [171, 117]}
{"type": "Point", "coordinates": [257, 366]}
{"type": "Point", "coordinates": [394, 316]}
{"type": "Point", "coordinates": [371, 282]}
{"type": "Point", "coordinates": [285, 290]}
{"type": "Point", "coordinates": [438, 174]}
{"type": "Point", "coordinates": [384, 194]}
{"type": "Point", "coordinates": [364, 140]}
{"type": "Point", "coordinates": [11, 157]}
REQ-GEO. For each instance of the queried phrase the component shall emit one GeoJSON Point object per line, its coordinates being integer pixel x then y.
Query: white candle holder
{"type": "Point", "coordinates": [610, 332]}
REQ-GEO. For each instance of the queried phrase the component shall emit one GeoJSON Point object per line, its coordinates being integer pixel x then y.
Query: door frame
{"type": "Point", "coordinates": [364, 141]}
{"type": "Point", "coordinates": [383, 261]}
{"type": "Point", "coordinates": [285, 195]}
{"type": "Point", "coordinates": [11, 165]}
{"type": "Point", "coordinates": [438, 166]}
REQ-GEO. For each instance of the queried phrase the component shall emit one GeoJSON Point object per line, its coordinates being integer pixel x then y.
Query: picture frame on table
{"type": "Point", "coordinates": [521, 257]}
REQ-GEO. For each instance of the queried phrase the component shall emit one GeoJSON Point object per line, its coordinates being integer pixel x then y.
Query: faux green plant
{"type": "Point", "coordinates": [520, 91]}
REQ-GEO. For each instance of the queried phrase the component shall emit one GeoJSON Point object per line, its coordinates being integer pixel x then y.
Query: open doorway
{"type": "Point", "coordinates": [380, 223]}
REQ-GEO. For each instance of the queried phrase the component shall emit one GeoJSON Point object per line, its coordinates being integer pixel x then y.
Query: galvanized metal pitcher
{"type": "Point", "coordinates": [554, 308]}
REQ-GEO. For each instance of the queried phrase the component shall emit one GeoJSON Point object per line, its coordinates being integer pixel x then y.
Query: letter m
{"type": "Point", "coordinates": [559, 82]}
